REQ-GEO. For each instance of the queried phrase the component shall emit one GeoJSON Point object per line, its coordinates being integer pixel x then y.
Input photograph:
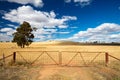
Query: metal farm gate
{"type": "Point", "coordinates": [62, 58]}
{"type": "Point", "coordinates": [38, 57]}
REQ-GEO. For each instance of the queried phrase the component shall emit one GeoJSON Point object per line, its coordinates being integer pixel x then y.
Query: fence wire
{"type": "Point", "coordinates": [38, 57]}
{"type": "Point", "coordinates": [63, 58]}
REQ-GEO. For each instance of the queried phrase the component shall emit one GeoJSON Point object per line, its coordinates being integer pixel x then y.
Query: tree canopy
{"type": "Point", "coordinates": [23, 35]}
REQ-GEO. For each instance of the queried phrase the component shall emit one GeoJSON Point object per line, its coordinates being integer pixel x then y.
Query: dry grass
{"type": "Point", "coordinates": [30, 54]}
{"type": "Point", "coordinates": [19, 72]}
{"type": "Point", "coordinates": [9, 48]}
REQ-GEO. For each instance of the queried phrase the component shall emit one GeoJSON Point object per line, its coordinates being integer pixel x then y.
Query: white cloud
{"type": "Point", "coordinates": [38, 19]}
{"type": "Point", "coordinates": [45, 31]}
{"type": "Point", "coordinates": [67, 1]}
{"type": "Point", "coordinates": [81, 2]}
{"type": "Point", "coordinates": [74, 27]}
{"type": "Point", "coordinates": [63, 32]}
{"type": "Point", "coordinates": [115, 36]}
{"type": "Point", "coordinates": [69, 17]}
{"type": "Point", "coordinates": [4, 37]}
{"type": "Point", "coordinates": [63, 26]}
{"type": "Point", "coordinates": [44, 34]}
{"type": "Point", "coordinates": [11, 25]}
{"type": "Point", "coordinates": [108, 32]}
{"type": "Point", "coordinates": [36, 3]}
{"type": "Point", "coordinates": [8, 31]}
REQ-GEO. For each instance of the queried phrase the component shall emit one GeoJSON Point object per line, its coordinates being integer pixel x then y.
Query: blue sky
{"type": "Point", "coordinates": [72, 20]}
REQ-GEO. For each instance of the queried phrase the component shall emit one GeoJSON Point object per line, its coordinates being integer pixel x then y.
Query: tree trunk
{"type": "Point", "coordinates": [23, 46]}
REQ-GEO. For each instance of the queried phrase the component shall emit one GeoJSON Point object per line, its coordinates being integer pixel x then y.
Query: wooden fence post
{"type": "Point", "coordinates": [60, 58]}
{"type": "Point", "coordinates": [106, 59]}
{"type": "Point", "coordinates": [14, 57]}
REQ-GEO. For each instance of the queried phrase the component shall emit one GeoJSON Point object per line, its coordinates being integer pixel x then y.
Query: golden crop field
{"type": "Point", "coordinates": [72, 55]}
{"type": "Point", "coordinates": [53, 49]}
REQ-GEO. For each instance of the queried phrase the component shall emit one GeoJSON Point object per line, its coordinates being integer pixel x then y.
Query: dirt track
{"type": "Point", "coordinates": [77, 73]}
{"type": "Point", "coordinates": [53, 72]}
{"type": "Point", "coordinates": [65, 73]}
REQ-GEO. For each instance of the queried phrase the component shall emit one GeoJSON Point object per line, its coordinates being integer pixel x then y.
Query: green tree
{"type": "Point", "coordinates": [23, 35]}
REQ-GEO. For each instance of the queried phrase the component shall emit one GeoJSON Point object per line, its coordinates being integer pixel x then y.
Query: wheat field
{"type": "Point", "coordinates": [29, 54]}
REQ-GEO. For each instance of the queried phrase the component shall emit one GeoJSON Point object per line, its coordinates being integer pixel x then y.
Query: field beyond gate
{"type": "Point", "coordinates": [70, 55]}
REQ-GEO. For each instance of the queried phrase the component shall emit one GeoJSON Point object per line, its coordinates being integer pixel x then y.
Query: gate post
{"type": "Point", "coordinates": [14, 57]}
{"type": "Point", "coordinates": [60, 58]}
{"type": "Point", "coordinates": [106, 59]}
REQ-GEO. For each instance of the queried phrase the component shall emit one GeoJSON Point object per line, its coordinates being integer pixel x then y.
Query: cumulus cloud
{"type": "Point", "coordinates": [5, 29]}
{"type": "Point", "coordinates": [63, 32]}
{"type": "Point", "coordinates": [4, 37]}
{"type": "Point", "coordinates": [11, 25]}
{"type": "Point", "coordinates": [81, 2]}
{"type": "Point", "coordinates": [8, 31]}
{"type": "Point", "coordinates": [45, 31]}
{"type": "Point", "coordinates": [108, 32]}
{"type": "Point", "coordinates": [67, 1]}
{"type": "Point", "coordinates": [38, 19]}
{"type": "Point", "coordinates": [36, 3]}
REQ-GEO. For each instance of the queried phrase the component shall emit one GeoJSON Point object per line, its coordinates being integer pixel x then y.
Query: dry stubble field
{"type": "Point", "coordinates": [65, 73]}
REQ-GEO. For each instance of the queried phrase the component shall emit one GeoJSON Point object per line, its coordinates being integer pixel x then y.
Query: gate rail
{"type": "Point", "coordinates": [60, 56]}
{"type": "Point", "coordinates": [107, 55]}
